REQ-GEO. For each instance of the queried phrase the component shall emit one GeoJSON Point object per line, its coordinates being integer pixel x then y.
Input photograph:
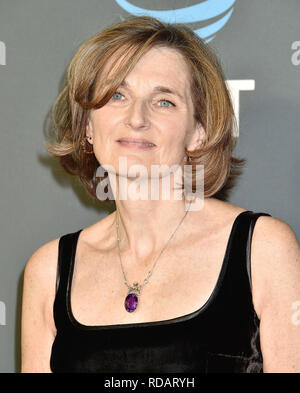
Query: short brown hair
{"type": "Point", "coordinates": [132, 38]}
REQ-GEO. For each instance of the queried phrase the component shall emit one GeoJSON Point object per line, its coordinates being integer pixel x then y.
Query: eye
{"type": "Point", "coordinates": [168, 102]}
{"type": "Point", "coordinates": [117, 96]}
{"type": "Point", "coordinates": [117, 93]}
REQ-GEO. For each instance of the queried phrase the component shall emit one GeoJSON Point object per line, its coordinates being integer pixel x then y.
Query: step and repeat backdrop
{"type": "Point", "coordinates": [258, 43]}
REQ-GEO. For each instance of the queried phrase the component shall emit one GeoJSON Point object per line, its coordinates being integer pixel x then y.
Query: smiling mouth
{"type": "Point", "coordinates": [136, 144]}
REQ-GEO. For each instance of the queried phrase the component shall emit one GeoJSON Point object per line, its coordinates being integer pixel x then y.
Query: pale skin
{"type": "Point", "coordinates": [188, 269]}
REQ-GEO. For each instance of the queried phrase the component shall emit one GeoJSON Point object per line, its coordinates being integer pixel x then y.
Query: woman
{"type": "Point", "coordinates": [158, 286]}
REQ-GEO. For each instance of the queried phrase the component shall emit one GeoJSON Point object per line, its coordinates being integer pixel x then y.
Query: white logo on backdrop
{"type": "Point", "coordinates": [235, 86]}
{"type": "Point", "coordinates": [2, 53]}
{"type": "Point", "coordinates": [2, 314]}
{"type": "Point", "coordinates": [218, 10]}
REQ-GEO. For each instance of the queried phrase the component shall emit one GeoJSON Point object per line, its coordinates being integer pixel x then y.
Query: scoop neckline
{"type": "Point", "coordinates": [177, 320]}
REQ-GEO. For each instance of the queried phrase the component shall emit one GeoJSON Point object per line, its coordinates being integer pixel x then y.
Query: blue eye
{"type": "Point", "coordinates": [166, 106]}
{"type": "Point", "coordinates": [117, 96]}
{"type": "Point", "coordinates": [116, 93]}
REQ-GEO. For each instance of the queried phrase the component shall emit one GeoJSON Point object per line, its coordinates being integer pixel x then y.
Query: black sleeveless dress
{"type": "Point", "coordinates": [221, 336]}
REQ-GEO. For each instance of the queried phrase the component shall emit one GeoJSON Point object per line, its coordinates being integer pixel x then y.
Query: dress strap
{"type": "Point", "coordinates": [233, 309]}
{"type": "Point", "coordinates": [66, 250]}
{"type": "Point", "coordinates": [235, 288]}
{"type": "Point", "coordinates": [66, 253]}
{"type": "Point", "coordinates": [253, 218]}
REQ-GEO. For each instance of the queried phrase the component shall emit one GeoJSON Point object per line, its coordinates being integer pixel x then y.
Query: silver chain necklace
{"type": "Point", "coordinates": [131, 300]}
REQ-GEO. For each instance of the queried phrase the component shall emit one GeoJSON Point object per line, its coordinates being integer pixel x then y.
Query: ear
{"type": "Point", "coordinates": [196, 138]}
{"type": "Point", "coordinates": [89, 130]}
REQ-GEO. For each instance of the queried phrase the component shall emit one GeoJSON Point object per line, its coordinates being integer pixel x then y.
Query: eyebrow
{"type": "Point", "coordinates": [159, 89]}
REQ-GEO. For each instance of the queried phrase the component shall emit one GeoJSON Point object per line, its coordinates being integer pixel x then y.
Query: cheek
{"type": "Point", "coordinates": [103, 127]}
{"type": "Point", "coordinates": [175, 135]}
{"type": "Point", "coordinates": [103, 141]}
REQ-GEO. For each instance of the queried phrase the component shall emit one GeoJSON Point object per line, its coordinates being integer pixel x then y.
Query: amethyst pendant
{"type": "Point", "coordinates": [131, 301]}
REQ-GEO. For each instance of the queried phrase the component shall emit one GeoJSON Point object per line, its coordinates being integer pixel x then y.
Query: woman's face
{"type": "Point", "coordinates": [154, 104]}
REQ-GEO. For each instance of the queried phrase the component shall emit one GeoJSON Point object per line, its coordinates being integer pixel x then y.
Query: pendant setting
{"type": "Point", "coordinates": [132, 300]}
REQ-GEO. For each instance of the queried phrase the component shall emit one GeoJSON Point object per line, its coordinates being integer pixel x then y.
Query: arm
{"type": "Point", "coordinates": [38, 328]}
{"type": "Point", "coordinates": [276, 256]}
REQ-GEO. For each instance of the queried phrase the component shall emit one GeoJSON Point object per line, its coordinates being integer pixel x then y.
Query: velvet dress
{"type": "Point", "coordinates": [221, 336]}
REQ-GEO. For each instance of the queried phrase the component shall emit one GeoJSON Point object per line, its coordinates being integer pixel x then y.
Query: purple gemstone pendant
{"type": "Point", "coordinates": [131, 301]}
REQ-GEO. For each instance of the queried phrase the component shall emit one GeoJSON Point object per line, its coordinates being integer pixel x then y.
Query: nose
{"type": "Point", "coordinates": [137, 115]}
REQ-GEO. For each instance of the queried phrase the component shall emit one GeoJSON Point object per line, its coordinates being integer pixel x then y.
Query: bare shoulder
{"type": "Point", "coordinates": [41, 267]}
{"type": "Point", "coordinates": [270, 235]}
{"type": "Point", "coordinates": [275, 260]}
{"type": "Point", "coordinates": [40, 280]}
{"type": "Point", "coordinates": [37, 326]}
{"type": "Point", "coordinates": [274, 238]}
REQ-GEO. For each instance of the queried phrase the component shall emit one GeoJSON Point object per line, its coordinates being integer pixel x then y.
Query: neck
{"type": "Point", "coordinates": [145, 226]}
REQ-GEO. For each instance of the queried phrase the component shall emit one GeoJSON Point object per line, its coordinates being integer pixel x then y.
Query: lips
{"type": "Point", "coordinates": [136, 141]}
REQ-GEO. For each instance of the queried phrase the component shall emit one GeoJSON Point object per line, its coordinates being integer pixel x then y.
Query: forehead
{"type": "Point", "coordinates": [159, 63]}
{"type": "Point", "coordinates": [164, 60]}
